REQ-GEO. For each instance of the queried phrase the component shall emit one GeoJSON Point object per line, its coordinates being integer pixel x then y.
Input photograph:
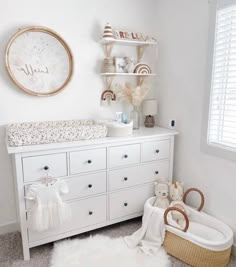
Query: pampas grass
{"type": "Point", "coordinates": [133, 95]}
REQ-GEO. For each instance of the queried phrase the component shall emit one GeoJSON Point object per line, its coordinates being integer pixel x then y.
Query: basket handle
{"type": "Point", "coordinates": [182, 212]}
{"type": "Point", "coordinates": [200, 193]}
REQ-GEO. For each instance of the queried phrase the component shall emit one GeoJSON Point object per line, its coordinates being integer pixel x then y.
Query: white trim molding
{"type": "Point", "coordinates": [8, 227]}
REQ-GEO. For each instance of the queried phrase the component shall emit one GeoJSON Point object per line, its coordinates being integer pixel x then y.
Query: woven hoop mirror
{"type": "Point", "coordinates": [39, 61]}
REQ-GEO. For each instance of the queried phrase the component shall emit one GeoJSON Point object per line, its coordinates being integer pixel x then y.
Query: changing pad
{"type": "Point", "coordinates": [35, 133]}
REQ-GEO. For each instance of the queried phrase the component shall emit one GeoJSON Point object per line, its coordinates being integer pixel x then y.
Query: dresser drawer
{"type": "Point", "coordinates": [136, 175]}
{"type": "Point", "coordinates": [87, 160]}
{"type": "Point", "coordinates": [124, 155]}
{"type": "Point", "coordinates": [80, 186]}
{"type": "Point", "coordinates": [130, 201]}
{"type": "Point", "coordinates": [86, 185]}
{"type": "Point", "coordinates": [34, 167]}
{"type": "Point", "coordinates": [84, 213]}
{"type": "Point", "coordinates": [156, 150]}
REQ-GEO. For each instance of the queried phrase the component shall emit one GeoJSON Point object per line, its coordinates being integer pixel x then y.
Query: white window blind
{"type": "Point", "coordinates": [222, 113]}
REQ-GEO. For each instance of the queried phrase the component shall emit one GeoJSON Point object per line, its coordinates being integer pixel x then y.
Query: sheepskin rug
{"type": "Point", "coordinates": [103, 251]}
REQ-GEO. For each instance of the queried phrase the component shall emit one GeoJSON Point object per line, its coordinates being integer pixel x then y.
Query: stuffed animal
{"type": "Point", "coordinates": [162, 193]}
{"type": "Point", "coordinates": [176, 195]}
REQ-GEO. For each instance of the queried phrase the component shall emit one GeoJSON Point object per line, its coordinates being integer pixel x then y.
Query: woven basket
{"type": "Point", "coordinates": [193, 254]}
{"type": "Point", "coordinates": [188, 251]}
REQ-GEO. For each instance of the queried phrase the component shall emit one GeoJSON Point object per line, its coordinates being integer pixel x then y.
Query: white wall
{"type": "Point", "coordinates": [81, 24]}
{"type": "Point", "coordinates": [182, 29]}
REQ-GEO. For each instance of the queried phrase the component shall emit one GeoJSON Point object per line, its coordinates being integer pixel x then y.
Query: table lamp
{"type": "Point", "coordinates": [149, 110]}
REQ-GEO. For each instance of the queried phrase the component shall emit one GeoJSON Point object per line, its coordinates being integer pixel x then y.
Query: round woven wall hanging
{"type": "Point", "coordinates": [39, 61]}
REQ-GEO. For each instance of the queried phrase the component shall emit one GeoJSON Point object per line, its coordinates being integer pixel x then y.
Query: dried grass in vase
{"type": "Point", "coordinates": [133, 95]}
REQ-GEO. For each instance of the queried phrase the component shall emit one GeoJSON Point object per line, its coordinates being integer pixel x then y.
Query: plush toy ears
{"type": "Point", "coordinates": [176, 184]}
{"type": "Point", "coordinates": [180, 183]}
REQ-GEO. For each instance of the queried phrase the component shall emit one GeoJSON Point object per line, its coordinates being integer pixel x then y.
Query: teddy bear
{"type": "Point", "coordinates": [176, 195]}
{"type": "Point", "coordinates": [162, 193]}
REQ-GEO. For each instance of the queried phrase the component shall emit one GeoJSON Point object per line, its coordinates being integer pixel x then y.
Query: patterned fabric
{"type": "Point", "coordinates": [35, 133]}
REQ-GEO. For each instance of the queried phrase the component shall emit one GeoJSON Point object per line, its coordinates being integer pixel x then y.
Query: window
{"type": "Point", "coordinates": [222, 107]}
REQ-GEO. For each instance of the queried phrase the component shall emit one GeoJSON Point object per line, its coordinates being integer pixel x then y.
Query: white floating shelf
{"type": "Point", "coordinates": [127, 74]}
{"type": "Point", "coordinates": [107, 41]}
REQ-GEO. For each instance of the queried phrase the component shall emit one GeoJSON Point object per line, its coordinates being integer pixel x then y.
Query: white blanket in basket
{"type": "Point", "coordinates": [150, 237]}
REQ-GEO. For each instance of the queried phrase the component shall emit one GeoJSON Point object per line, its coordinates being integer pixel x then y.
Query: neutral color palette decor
{"type": "Point", "coordinates": [39, 61]}
{"type": "Point", "coordinates": [89, 252]}
{"type": "Point", "coordinates": [149, 111]}
{"type": "Point", "coordinates": [104, 177]}
{"type": "Point", "coordinates": [36, 133]}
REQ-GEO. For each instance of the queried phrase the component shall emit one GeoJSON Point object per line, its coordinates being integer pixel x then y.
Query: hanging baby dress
{"type": "Point", "coordinates": [48, 211]}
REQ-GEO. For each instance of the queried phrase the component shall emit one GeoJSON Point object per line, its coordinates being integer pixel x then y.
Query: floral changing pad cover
{"type": "Point", "coordinates": [35, 133]}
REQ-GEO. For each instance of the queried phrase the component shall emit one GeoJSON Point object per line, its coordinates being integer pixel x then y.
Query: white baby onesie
{"type": "Point", "coordinates": [48, 211]}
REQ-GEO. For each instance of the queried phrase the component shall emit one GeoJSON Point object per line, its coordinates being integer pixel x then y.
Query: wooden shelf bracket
{"type": "Point", "coordinates": [108, 49]}
{"type": "Point", "coordinates": [140, 52]}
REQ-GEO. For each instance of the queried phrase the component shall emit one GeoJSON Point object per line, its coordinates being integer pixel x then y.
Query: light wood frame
{"type": "Point", "coordinates": [64, 44]}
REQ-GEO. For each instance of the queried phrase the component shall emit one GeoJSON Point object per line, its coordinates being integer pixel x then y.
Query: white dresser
{"type": "Point", "coordinates": [109, 179]}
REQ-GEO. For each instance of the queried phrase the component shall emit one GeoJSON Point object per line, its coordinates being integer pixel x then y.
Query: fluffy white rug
{"type": "Point", "coordinates": [103, 251]}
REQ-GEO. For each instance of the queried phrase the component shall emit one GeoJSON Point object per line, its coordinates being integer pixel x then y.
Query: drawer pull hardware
{"type": "Point", "coordinates": [126, 178]}
{"type": "Point", "coordinates": [125, 156]}
{"type": "Point", "coordinates": [156, 172]}
{"type": "Point", "coordinates": [90, 213]}
{"type": "Point", "coordinates": [125, 204]}
{"type": "Point", "coordinates": [157, 151]}
{"type": "Point", "coordinates": [90, 185]}
{"type": "Point", "coordinates": [46, 168]}
{"type": "Point", "coordinates": [89, 161]}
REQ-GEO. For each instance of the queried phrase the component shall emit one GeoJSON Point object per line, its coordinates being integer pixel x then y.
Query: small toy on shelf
{"type": "Point", "coordinates": [108, 33]}
{"type": "Point", "coordinates": [142, 68]}
{"type": "Point", "coordinates": [162, 193]}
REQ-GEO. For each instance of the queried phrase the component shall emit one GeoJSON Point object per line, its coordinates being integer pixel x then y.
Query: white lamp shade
{"type": "Point", "coordinates": [150, 107]}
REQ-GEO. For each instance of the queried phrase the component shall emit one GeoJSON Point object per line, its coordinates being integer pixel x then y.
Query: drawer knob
{"type": "Point", "coordinates": [156, 172]}
{"type": "Point", "coordinates": [90, 213]}
{"type": "Point", "coordinates": [157, 151]}
{"type": "Point", "coordinates": [126, 178]}
{"type": "Point", "coordinates": [46, 168]}
{"type": "Point", "coordinates": [90, 185]}
{"type": "Point", "coordinates": [125, 156]}
{"type": "Point", "coordinates": [125, 204]}
{"type": "Point", "coordinates": [89, 161]}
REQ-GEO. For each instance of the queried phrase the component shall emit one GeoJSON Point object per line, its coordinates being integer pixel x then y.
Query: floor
{"type": "Point", "coordinates": [11, 252]}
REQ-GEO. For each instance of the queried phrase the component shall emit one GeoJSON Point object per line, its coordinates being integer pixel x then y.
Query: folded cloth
{"type": "Point", "coordinates": [150, 237]}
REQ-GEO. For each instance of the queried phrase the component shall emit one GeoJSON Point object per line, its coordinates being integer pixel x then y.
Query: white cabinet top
{"type": "Point", "coordinates": [142, 133]}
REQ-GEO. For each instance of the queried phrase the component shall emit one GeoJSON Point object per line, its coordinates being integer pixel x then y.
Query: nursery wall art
{"type": "Point", "coordinates": [39, 61]}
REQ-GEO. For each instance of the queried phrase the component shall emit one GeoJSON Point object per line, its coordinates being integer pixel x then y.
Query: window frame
{"type": "Point", "coordinates": [216, 150]}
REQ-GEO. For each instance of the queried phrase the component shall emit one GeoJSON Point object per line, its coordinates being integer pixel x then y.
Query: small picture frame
{"type": "Point", "coordinates": [120, 64]}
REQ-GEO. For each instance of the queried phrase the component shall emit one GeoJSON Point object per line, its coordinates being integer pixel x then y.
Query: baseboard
{"type": "Point", "coordinates": [8, 228]}
{"type": "Point", "coordinates": [234, 250]}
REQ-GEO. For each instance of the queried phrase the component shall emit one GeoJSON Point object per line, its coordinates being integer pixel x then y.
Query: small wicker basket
{"type": "Point", "coordinates": [188, 251]}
